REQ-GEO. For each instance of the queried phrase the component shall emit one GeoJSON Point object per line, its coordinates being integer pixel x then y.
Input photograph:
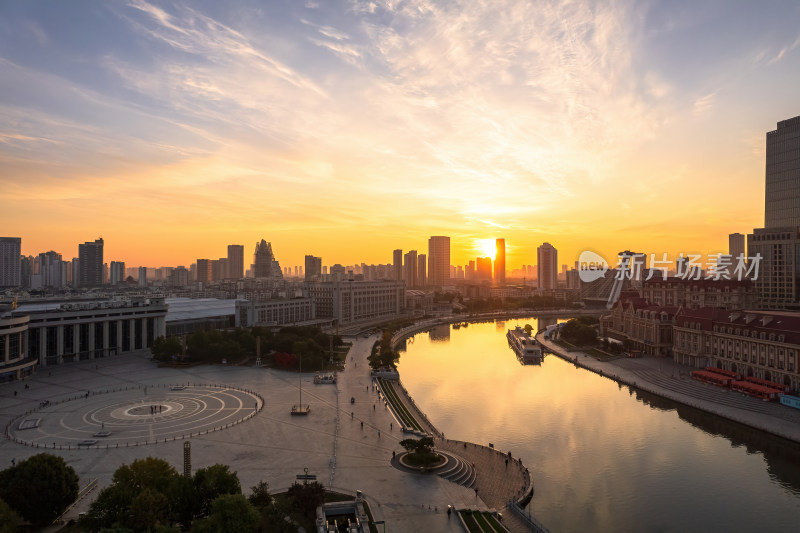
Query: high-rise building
{"type": "Point", "coordinates": [736, 245]}
{"type": "Point", "coordinates": [778, 242]}
{"type": "Point", "coordinates": [397, 261]}
{"type": "Point", "coordinates": [782, 197]}
{"type": "Point", "coordinates": [264, 263]}
{"type": "Point", "coordinates": [422, 274]}
{"type": "Point", "coordinates": [313, 268]}
{"type": "Point", "coordinates": [500, 262]}
{"type": "Point", "coordinates": [484, 268]}
{"type": "Point", "coordinates": [117, 272]}
{"type": "Point", "coordinates": [438, 260]}
{"type": "Point", "coordinates": [547, 263]}
{"type": "Point", "coordinates": [410, 268]}
{"type": "Point", "coordinates": [204, 272]}
{"type": "Point", "coordinates": [142, 276]}
{"type": "Point", "coordinates": [52, 272]}
{"type": "Point", "coordinates": [90, 255]}
{"type": "Point", "coordinates": [235, 261]}
{"type": "Point", "coordinates": [10, 249]}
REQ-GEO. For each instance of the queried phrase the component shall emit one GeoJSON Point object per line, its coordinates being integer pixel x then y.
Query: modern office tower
{"type": "Point", "coordinates": [459, 272]}
{"type": "Point", "coordinates": [90, 256]}
{"type": "Point", "coordinates": [782, 198]}
{"type": "Point", "coordinates": [142, 276]}
{"type": "Point", "coordinates": [179, 277]}
{"type": "Point", "coordinates": [573, 279]}
{"type": "Point", "coordinates": [219, 269]}
{"type": "Point", "coordinates": [235, 261]}
{"type": "Point", "coordinates": [547, 262]}
{"type": "Point", "coordinates": [736, 245]}
{"type": "Point", "coordinates": [264, 263]}
{"type": "Point", "coordinates": [204, 270]}
{"type": "Point", "coordinates": [438, 260]}
{"type": "Point", "coordinates": [76, 271]}
{"type": "Point", "coordinates": [778, 242]}
{"type": "Point", "coordinates": [25, 270]}
{"type": "Point", "coordinates": [469, 270]}
{"type": "Point", "coordinates": [422, 270]}
{"type": "Point", "coordinates": [51, 270]}
{"type": "Point", "coordinates": [313, 268]}
{"type": "Point", "coordinates": [397, 261]}
{"type": "Point", "coordinates": [337, 272]}
{"type": "Point", "coordinates": [500, 262]}
{"type": "Point", "coordinates": [117, 272]}
{"type": "Point", "coordinates": [484, 268]}
{"type": "Point", "coordinates": [10, 250]}
{"type": "Point", "coordinates": [410, 268]}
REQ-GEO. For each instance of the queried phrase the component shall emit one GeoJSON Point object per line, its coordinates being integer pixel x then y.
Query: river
{"type": "Point", "coordinates": [602, 457]}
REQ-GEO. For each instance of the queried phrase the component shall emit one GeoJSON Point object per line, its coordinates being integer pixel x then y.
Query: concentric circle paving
{"type": "Point", "coordinates": [136, 416]}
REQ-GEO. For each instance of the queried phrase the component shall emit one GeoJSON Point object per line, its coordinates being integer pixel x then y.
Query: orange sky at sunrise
{"type": "Point", "coordinates": [346, 132]}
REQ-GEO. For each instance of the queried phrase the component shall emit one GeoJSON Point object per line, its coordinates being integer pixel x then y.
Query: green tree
{"type": "Point", "coordinates": [148, 509]}
{"type": "Point", "coordinates": [163, 348]}
{"type": "Point", "coordinates": [39, 488]}
{"type": "Point", "coordinates": [214, 481]}
{"type": "Point", "coordinates": [260, 497]}
{"type": "Point", "coordinates": [528, 329]}
{"type": "Point", "coordinates": [9, 520]}
{"type": "Point", "coordinates": [137, 497]}
{"type": "Point", "coordinates": [577, 332]}
{"type": "Point", "coordinates": [307, 497]}
{"type": "Point", "coordinates": [229, 513]}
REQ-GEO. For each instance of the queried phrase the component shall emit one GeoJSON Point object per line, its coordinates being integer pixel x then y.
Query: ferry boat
{"type": "Point", "coordinates": [528, 352]}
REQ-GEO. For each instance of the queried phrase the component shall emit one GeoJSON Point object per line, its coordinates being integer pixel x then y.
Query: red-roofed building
{"type": "Point", "coordinates": [760, 344]}
{"type": "Point", "coordinates": [694, 294]}
{"type": "Point", "coordinates": [647, 327]}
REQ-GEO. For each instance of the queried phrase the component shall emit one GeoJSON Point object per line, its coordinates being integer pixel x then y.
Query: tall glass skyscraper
{"type": "Point", "coordinates": [438, 260]}
{"type": "Point", "coordinates": [782, 197]}
{"type": "Point", "coordinates": [778, 242]}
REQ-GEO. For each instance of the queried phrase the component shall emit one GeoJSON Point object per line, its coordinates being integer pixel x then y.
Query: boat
{"type": "Point", "coordinates": [525, 346]}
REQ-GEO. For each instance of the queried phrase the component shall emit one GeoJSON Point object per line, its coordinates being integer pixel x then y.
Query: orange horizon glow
{"type": "Point", "coordinates": [348, 133]}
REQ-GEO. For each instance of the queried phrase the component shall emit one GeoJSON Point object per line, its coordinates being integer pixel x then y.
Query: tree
{"type": "Point", "coordinates": [576, 332]}
{"type": "Point", "coordinates": [307, 497]}
{"type": "Point", "coordinates": [260, 497]}
{"type": "Point", "coordinates": [137, 497]}
{"type": "Point", "coordinates": [39, 488]}
{"type": "Point", "coordinates": [163, 348]}
{"type": "Point", "coordinates": [9, 520]}
{"type": "Point", "coordinates": [230, 513]}
{"type": "Point", "coordinates": [214, 481]}
{"type": "Point", "coordinates": [528, 329]}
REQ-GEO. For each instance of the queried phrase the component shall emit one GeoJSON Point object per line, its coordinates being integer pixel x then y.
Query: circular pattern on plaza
{"type": "Point", "coordinates": [134, 416]}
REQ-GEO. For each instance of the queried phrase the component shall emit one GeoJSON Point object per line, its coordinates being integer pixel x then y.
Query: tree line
{"type": "Point", "coordinates": [282, 348]}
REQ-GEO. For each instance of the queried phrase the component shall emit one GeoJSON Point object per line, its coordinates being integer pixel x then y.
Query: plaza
{"type": "Point", "coordinates": [234, 415]}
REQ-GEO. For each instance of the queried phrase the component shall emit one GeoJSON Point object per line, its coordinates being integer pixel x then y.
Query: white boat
{"type": "Point", "coordinates": [525, 346]}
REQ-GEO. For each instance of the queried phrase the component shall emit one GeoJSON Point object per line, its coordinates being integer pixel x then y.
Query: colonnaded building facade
{"type": "Point", "coordinates": [761, 344]}
{"type": "Point", "coordinates": [54, 333]}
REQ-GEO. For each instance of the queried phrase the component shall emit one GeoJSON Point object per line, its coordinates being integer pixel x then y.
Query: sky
{"type": "Point", "coordinates": [346, 129]}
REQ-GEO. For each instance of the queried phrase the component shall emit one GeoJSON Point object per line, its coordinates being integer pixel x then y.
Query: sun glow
{"type": "Point", "coordinates": [485, 248]}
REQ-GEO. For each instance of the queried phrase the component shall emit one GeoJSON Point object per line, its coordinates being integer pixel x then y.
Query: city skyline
{"type": "Point", "coordinates": [333, 129]}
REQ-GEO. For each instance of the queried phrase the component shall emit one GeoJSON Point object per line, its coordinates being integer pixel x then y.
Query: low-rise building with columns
{"type": "Point", "coordinates": [79, 330]}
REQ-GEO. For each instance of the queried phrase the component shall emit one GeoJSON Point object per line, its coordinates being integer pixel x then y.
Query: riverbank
{"type": "Point", "coordinates": [665, 378]}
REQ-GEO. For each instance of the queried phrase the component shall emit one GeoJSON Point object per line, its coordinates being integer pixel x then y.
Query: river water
{"type": "Point", "coordinates": [603, 458]}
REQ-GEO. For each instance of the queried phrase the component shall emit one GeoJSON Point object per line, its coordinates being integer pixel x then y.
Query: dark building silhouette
{"type": "Point", "coordinates": [90, 255]}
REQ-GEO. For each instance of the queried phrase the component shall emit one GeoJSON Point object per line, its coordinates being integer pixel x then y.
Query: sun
{"type": "Point", "coordinates": [485, 248]}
